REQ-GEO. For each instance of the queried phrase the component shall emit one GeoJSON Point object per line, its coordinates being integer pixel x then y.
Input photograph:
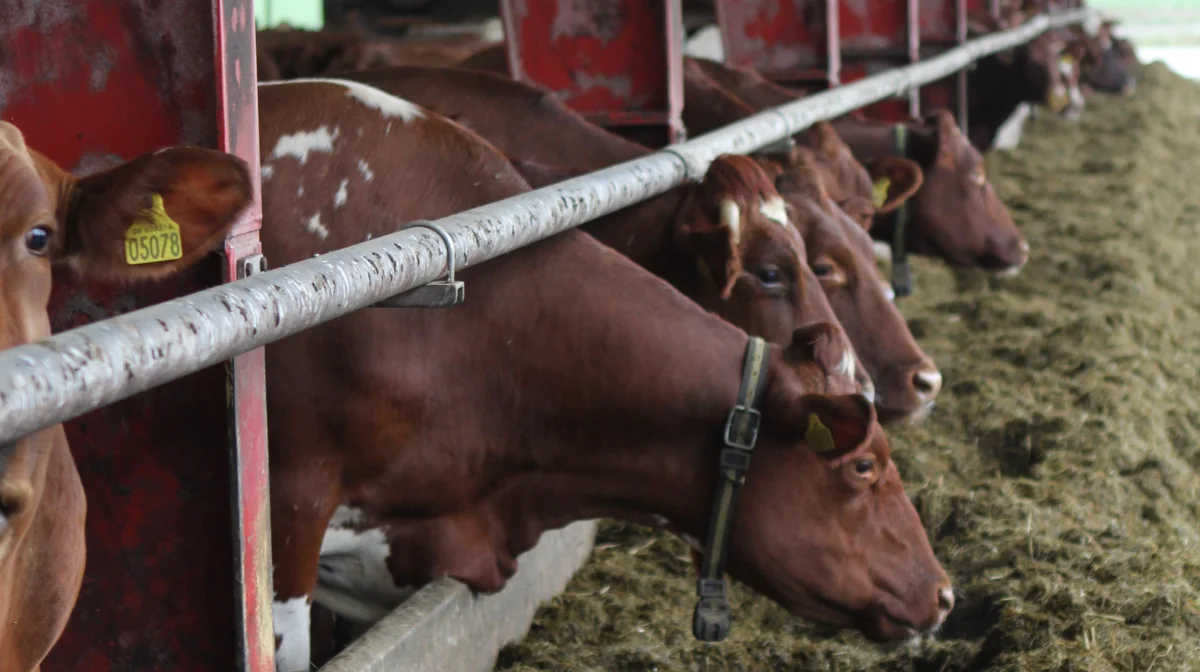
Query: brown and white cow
{"type": "Point", "coordinates": [408, 444]}
{"type": "Point", "coordinates": [49, 217]}
{"type": "Point", "coordinates": [954, 215]}
{"type": "Point", "coordinates": [821, 182]}
{"type": "Point", "coordinates": [751, 257]}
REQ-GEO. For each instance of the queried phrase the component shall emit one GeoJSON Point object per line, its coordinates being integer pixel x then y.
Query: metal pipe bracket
{"type": "Point", "coordinates": [436, 294]}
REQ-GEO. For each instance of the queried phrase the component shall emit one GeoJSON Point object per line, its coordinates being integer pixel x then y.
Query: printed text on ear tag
{"type": "Point", "coordinates": [153, 236]}
{"type": "Point", "coordinates": [818, 436]}
{"type": "Point", "coordinates": [880, 191]}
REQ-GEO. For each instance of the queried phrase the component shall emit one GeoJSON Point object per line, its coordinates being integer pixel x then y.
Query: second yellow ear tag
{"type": "Point", "coordinates": [818, 436]}
{"type": "Point", "coordinates": [880, 191]}
{"type": "Point", "coordinates": [153, 236]}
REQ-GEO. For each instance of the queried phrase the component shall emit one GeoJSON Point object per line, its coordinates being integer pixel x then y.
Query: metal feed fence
{"type": "Point", "coordinates": [74, 372]}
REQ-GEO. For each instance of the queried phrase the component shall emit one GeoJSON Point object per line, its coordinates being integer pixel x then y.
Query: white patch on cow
{"type": "Point", "coordinates": [301, 144]}
{"type": "Point", "coordinates": [868, 391]}
{"type": "Point", "coordinates": [300, 190]}
{"type": "Point", "coordinates": [291, 627]}
{"type": "Point", "coordinates": [774, 209]}
{"type": "Point", "coordinates": [847, 366]}
{"type": "Point", "coordinates": [731, 216]}
{"type": "Point", "coordinates": [365, 170]}
{"type": "Point", "coordinates": [706, 43]}
{"type": "Point", "coordinates": [339, 199]}
{"type": "Point", "coordinates": [267, 171]}
{"type": "Point", "coordinates": [315, 227]}
{"type": "Point", "coordinates": [353, 579]}
{"type": "Point", "coordinates": [883, 251]}
{"type": "Point", "coordinates": [1065, 67]}
{"type": "Point", "coordinates": [382, 101]}
{"type": "Point", "coordinates": [1008, 136]}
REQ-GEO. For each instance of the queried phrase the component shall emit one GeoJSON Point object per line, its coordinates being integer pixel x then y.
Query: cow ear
{"type": "Point", "coordinates": [151, 216]}
{"type": "Point", "coordinates": [817, 342]}
{"type": "Point", "coordinates": [714, 245]}
{"type": "Point", "coordinates": [836, 425]}
{"type": "Point", "coordinates": [829, 425]}
{"type": "Point", "coordinates": [950, 139]}
{"type": "Point", "coordinates": [895, 180]}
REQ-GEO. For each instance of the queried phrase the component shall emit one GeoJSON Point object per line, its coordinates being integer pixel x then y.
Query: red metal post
{"type": "Point", "coordinates": [237, 133]}
{"type": "Point", "coordinates": [877, 35]}
{"type": "Point", "coordinates": [619, 62]}
{"type": "Point", "coordinates": [793, 42]}
{"type": "Point", "coordinates": [91, 83]}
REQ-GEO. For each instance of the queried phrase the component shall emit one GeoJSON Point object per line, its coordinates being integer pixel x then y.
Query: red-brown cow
{"type": "Point", "coordinates": [766, 286]}
{"type": "Point", "coordinates": [417, 443]}
{"type": "Point", "coordinates": [50, 217]}
{"type": "Point", "coordinates": [839, 249]}
{"type": "Point", "coordinates": [954, 215]}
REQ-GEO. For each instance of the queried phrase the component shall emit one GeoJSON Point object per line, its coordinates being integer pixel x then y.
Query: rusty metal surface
{"type": "Point", "coordinates": [788, 41]}
{"type": "Point", "coordinates": [71, 373]}
{"type": "Point", "coordinates": [877, 35]}
{"type": "Point", "coordinates": [91, 83]}
{"type": "Point", "coordinates": [617, 61]}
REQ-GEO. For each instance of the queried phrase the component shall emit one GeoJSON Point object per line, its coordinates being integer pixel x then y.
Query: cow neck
{"type": "Point", "coordinates": [902, 281]}
{"type": "Point", "coordinates": [634, 383]}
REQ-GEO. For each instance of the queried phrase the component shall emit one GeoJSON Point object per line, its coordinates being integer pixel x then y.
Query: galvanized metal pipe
{"type": "Point", "coordinates": [69, 374]}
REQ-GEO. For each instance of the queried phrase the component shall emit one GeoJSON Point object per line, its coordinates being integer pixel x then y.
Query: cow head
{"type": "Point", "coordinates": [750, 262]}
{"type": "Point", "coordinates": [860, 190]}
{"type": "Point", "coordinates": [840, 253]}
{"type": "Point", "coordinates": [956, 214]}
{"type": "Point", "coordinates": [178, 204]}
{"type": "Point", "coordinates": [824, 527]}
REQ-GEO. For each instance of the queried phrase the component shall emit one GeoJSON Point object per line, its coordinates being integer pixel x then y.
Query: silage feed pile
{"type": "Point", "coordinates": [1059, 475]}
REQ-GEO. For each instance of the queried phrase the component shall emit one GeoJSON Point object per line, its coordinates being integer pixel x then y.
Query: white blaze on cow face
{"type": "Point", "coordinates": [339, 199]}
{"type": "Point", "coordinates": [291, 627]}
{"type": "Point", "coordinates": [315, 227]}
{"type": "Point", "coordinates": [847, 367]}
{"type": "Point", "coordinates": [353, 578]}
{"type": "Point", "coordinates": [774, 209]}
{"type": "Point", "coordinates": [731, 217]}
{"type": "Point", "coordinates": [387, 104]}
{"type": "Point", "coordinates": [267, 171]}
{"type": "Point", "coordinates": [301, 144]}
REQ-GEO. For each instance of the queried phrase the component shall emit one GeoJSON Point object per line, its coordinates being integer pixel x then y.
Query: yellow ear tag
{"type": "Point", "coordinates": [880, 191]}
{"type": "Point", "coordinates": [818, 436]}
{"type": "Point", "coordinates": [1068, 60]}
{"type": "Point", "coordinates": [153, 236]}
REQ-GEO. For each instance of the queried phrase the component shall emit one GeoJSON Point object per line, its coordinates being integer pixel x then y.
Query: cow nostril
{"type": "Point", "coordinates": [945, 600]}
{"type": "Point", "coordinates": [927, 383]}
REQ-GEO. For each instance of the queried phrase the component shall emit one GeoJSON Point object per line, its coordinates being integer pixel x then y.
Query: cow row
{"type": "Point", "coordinates": [614, 371]}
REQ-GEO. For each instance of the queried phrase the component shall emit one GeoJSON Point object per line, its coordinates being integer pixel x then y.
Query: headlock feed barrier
{"type": "Point", "coordinates": [71, 373]}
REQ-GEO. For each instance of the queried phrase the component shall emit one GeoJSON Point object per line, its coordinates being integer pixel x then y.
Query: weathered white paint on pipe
{"type": "Point", "coordinates": [66, 375]}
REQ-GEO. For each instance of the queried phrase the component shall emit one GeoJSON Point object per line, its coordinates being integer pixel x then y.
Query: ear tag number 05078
{"type": "Point", "coordinates": [153, 237]}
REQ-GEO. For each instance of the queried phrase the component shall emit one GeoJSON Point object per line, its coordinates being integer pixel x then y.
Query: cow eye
{"type": "Point", "coordinates": [864, 467]}
{"type": "Point", "coordinates": [37, 240]}
{"type": "Point", "coordinates": [769, 276]}
{"type": "Point", "coordinates": [822, 269]}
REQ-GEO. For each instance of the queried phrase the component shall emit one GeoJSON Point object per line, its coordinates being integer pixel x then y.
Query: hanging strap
{"type": "Point", "coordinates": [712, 618]}
{"type": "Point", "coordinates": [902, 281]}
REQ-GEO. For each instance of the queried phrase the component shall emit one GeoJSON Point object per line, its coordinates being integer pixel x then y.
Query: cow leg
{"type": "Point", "coordinates": [301, 506]}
